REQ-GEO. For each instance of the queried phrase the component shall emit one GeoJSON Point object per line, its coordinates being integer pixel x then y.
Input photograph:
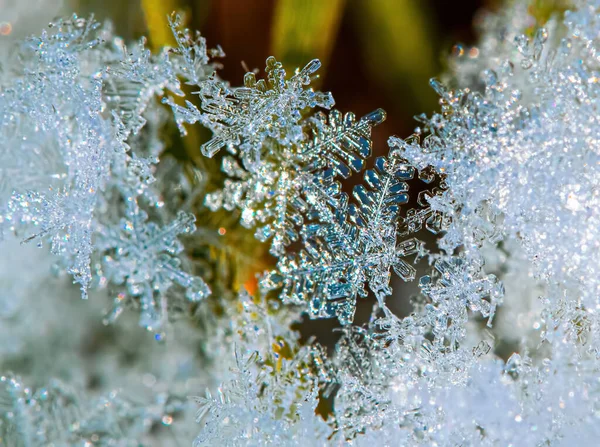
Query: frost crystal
{"type": "Point", "coordinates": [274, 383]}
{"type": "Point", "coordinates": [63, 107]}
{"type": "Point", "coordinates": [347, 245]}
{"type": "Point", "coordinates": [501, 347]}
{"type": "Point", "coordinates": [517, 161]}
{"type": "Point", "coordinates": [242, 119]}
{"type": "Point", "coordinates": [143, 256]}
{"type": "Point", "coordinates": [277, 151]}
{"type": "Point", "coordinates": [57, 415]}
{"type": "Point", "coordinates": [274, 196]}
{"type": "Point", "coordinates": [81, 109]}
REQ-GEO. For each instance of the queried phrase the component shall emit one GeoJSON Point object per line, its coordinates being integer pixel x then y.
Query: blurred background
{"type": "Point", "coordinates": [375, 53]}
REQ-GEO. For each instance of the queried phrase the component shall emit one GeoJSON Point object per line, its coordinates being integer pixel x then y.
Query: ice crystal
{"type": "Point", "coordinates": [273, 197]}
{"type": "Point", "coordinates": [350, 245]}
{"type": "Point", "coordinates": [134, 80]}
{"type": "Point", "coordinates": [63, 106]}
{"type": "Point", "coordinates": [456, 290]}
{"type": "Point", "coordinates": [272, 394]}
{"type": "Point", "coordinates": [519, 158]}
{"type": "Point", "coordinates": [78, 108]}
{"type": "Point", "coordinates": [244, 118]}
{"type": "Point", "coordinates": [144, 257]}
{"type": "Point", "coordinates": [192, 59]}
{"type": "Point", "coordinates": [277, 149]}
{"type": "Point", "coordinates": [510, 167]}
{"type": "Point", "coordinates": [58, 415]}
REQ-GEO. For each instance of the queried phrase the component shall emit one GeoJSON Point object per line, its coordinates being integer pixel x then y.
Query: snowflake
{"type": "Point", "coordinates": [244, 118]}
{"type": "Point", "coordinates": [347, 246]}
{"type": "Point", "coordinates": [144, 257]}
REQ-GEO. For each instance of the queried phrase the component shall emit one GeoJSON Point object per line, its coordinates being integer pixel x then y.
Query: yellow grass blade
{"type": "Point", "coordinates": [305, 30]}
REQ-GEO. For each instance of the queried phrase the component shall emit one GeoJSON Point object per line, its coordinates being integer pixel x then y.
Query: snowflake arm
{"type": "Point", "coordinates": [339, 142]}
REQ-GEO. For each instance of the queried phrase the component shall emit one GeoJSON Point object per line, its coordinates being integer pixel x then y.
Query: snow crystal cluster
{"type": "Point", "coordinates": [77, 173]}
{"type": "Point", "coordinates": [501, 347]}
